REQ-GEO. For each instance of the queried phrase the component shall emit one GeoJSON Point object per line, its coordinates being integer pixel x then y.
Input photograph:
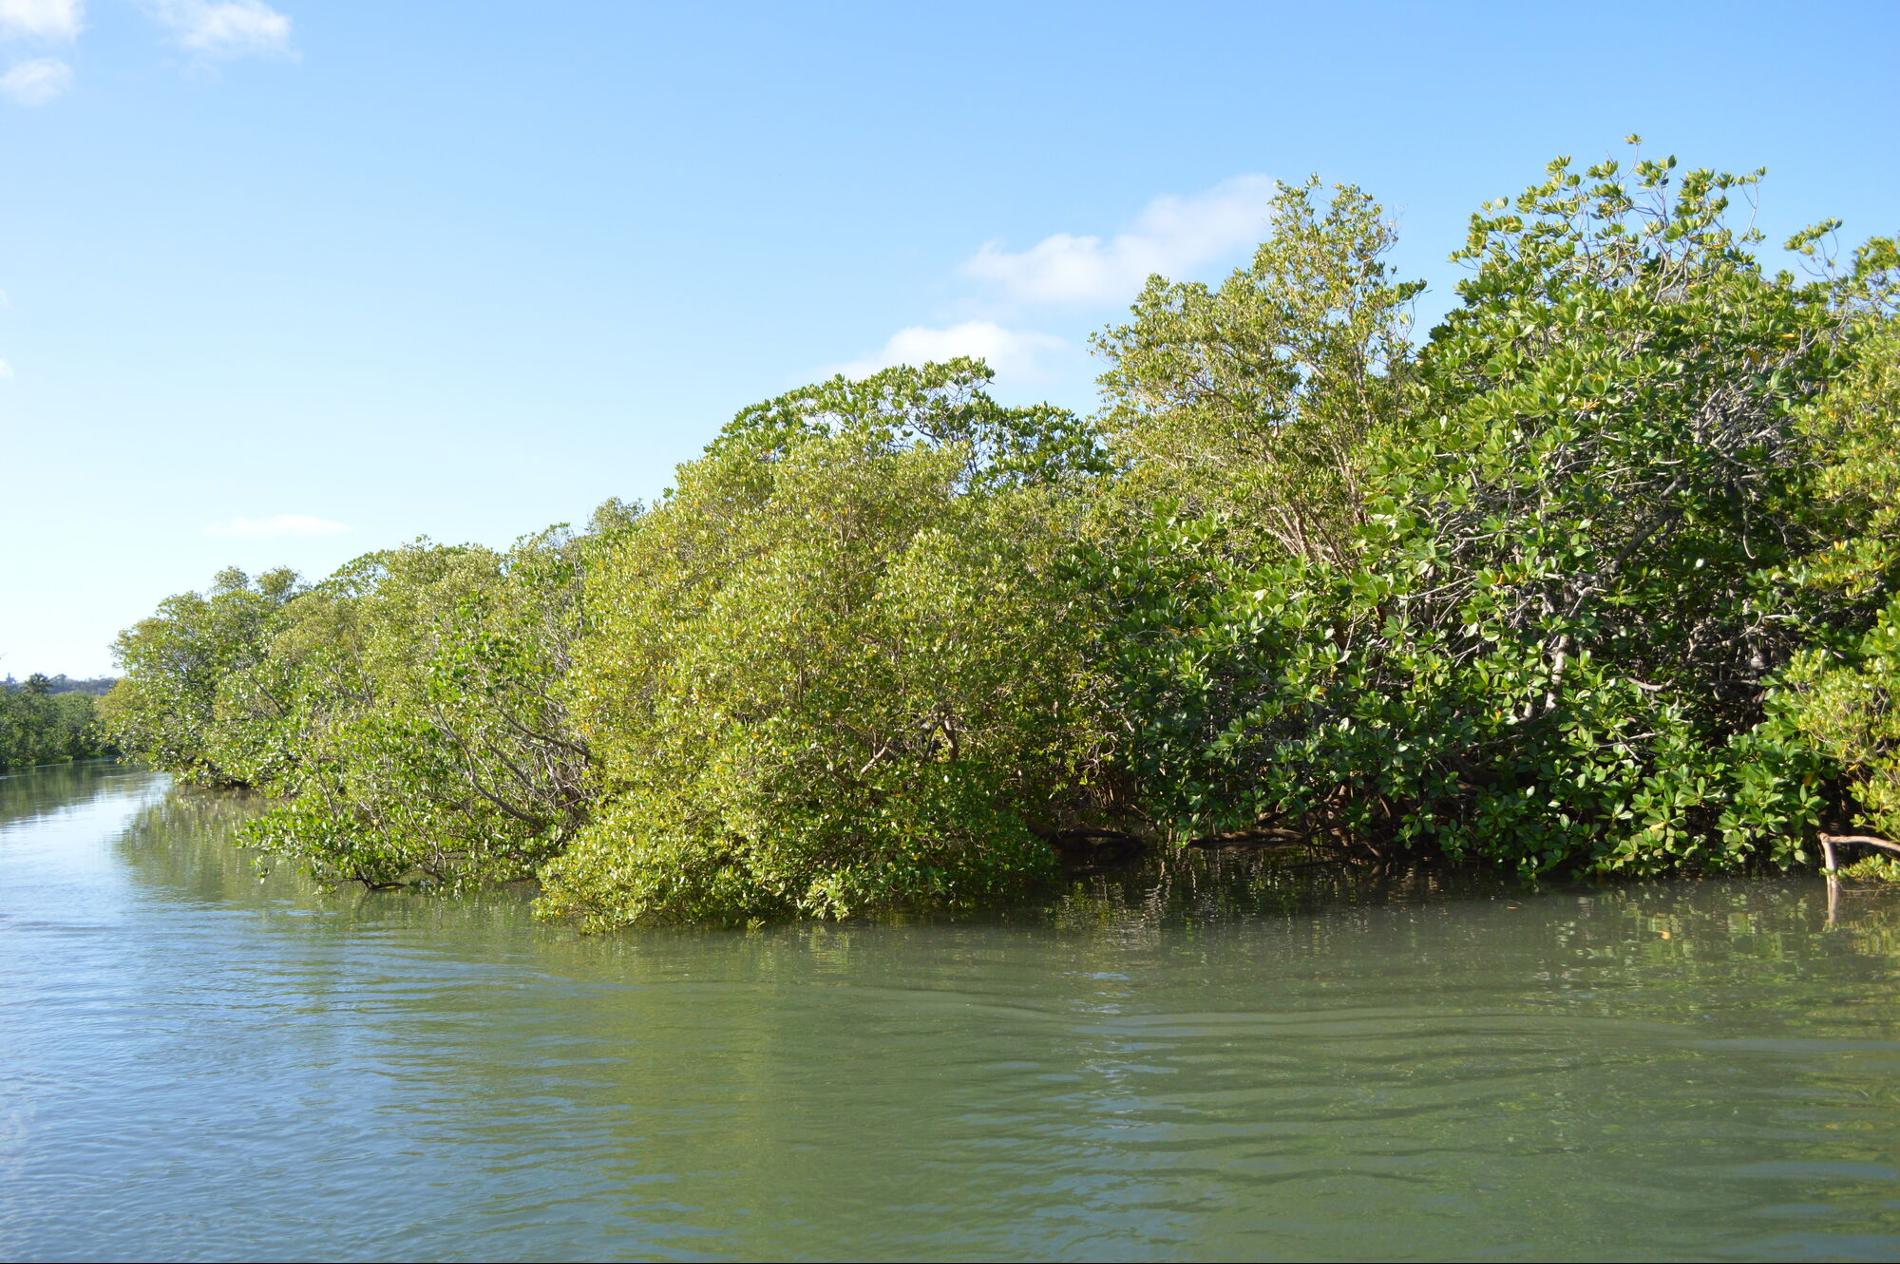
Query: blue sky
{"type": "Point", "coordinates": [289, 281]}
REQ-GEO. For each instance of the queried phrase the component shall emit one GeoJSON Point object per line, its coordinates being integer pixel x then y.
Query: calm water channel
{"type": "Point", "coordinates": [1229, 1060]}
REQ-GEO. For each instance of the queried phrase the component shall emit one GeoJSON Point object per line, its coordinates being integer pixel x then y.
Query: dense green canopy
{"type": "Point", "coordinates": [1602, 574]}
{"type": "Point", "coordinates": [48, 720]}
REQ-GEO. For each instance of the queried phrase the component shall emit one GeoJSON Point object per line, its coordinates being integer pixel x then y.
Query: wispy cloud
{"type": "Point", "coordinates": [1172, 235]}
{"type": "Point", "coordinates": [1021, 354]}
{"type": "Point", "coordinates": [224, 28]}
{"type": "Point", "coordinates": [276, 527]}
{"type": "Point", "coordinates": [6, 370]}
{"type": "Point", "coordinates": [42, 19]}
{"type": "Point", "coordinates": [36, 82]}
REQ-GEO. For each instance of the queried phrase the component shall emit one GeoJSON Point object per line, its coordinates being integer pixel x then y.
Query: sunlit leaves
{"type": "Point", "coordinates": [838, 670]}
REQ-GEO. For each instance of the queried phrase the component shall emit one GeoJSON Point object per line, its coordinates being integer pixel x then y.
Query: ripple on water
{"type": "Point", "coordinates": [197, 1063]}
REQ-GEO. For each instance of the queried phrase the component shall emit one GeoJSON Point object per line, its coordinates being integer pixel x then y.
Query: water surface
{"type": "Point", "coordinates": [1226, 1058]}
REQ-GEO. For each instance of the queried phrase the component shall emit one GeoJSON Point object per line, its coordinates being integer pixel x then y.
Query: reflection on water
{"type": "Point", "coordinates": [1217, 1057]}
{"type": "Point", "coordinates": [60, 787]}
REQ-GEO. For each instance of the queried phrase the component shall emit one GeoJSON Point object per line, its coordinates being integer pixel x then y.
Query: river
{"type": "Point", "coordinates": [1227, 1057]}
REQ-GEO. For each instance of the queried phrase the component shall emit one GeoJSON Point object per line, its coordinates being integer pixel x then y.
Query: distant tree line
{"type": "Point", "coordinates": [1601, 575]}
{"type": "Point", "coordinates": [97, 686]}
{"type": "Point", "coordinates": [49, 720]}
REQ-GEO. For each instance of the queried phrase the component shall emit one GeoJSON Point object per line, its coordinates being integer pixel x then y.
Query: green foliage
{"type": "Point", "coordinates": [41, 724]}
{"type": "Point", "coordinates": [409, 716]}
{"type": "Point", "coordinates": [1855, 563]}
{"type": "Point", "coordinates": [1552, 639]}
{"type": "Point", "coordinates": [1604, 576]}
{"type": "Point", "coordinates": [1848, 705]}
{"type": "Point", "coordinates": [1876, 867]}
{"type": "Point", "coordinates": [832, 673]}
{"type": "Point", "coordinates": [1255, 401]}
{"type": "Point", "coordinates": [164, 710]}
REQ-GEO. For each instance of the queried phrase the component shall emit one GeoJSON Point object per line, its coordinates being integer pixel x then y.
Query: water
{"type": "Point", "coordinates": [1227, 1059]}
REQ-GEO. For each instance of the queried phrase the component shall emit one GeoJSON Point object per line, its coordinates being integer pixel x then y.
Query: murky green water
{"type": "Point", "coordinates": [1230, 1060]}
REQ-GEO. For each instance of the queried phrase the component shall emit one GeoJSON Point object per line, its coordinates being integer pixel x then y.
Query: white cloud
{"type": "Point", "coordinates": [1015, 353]}
{"type": "Point", "coordinates": [36, 82]}
{"type": "Point", "coordinates": [276, 527]}
{"type": "Point", "coordinates": [1172, 235]}
{"type": "Point", "coordinates": [42, 19]}
{"type": "Point", "coordinates": [224, 28]}
{"type": "Point", "coordinates": [6, 370]}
